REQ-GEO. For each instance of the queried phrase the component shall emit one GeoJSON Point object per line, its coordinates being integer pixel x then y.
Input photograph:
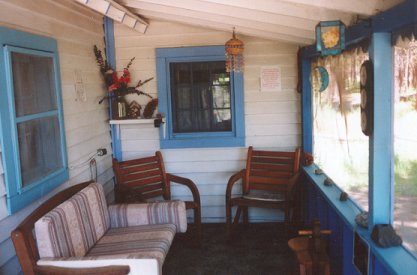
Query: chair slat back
{"type": "Point", "coordinates": [269, 170]}
{"type": "Point", "coordinates": [146, 175]}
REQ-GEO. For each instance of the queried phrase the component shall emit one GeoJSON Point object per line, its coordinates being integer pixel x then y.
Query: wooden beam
{"type": "Point", "coordinates": [116, 12]}
{"type": "Point", "coordinates": [362, 7]}
{"type": "Point", "coordinates": [266, 17]}
{"type": "Point", "coordinates": [225, 26]}
{"type": "Point", "coordinates": [161, 12]}
{"type": "Point", "coordinates": [315, 13]}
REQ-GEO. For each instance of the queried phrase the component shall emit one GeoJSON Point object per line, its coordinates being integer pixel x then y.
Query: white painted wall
{"type": "Point", "coordinates": [76, 29]}
{"type": "Point", "coordinates": [272, 118]}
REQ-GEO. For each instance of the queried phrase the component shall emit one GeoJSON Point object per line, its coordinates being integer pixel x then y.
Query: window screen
{"type": "Point", "coordinates": [200, 94]}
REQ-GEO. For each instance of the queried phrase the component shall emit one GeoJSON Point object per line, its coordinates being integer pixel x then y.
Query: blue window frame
{"type": "Point", "coordinates": [176, 134]}
{"type": "Point", "coordinates": [31, 118]}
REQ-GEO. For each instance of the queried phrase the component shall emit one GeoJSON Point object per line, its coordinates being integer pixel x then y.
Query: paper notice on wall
{"type": "Point", "coordinates": [270, 78]}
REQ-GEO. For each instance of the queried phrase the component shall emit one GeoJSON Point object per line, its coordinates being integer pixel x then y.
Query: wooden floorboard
{"type": "Point", "coordinates": [257, 249]}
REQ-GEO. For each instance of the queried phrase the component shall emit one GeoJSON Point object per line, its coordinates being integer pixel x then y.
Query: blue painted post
{"type": "Point", "coordinates": [111, 59]}
{"type": "Point", "coordinates": [306, 103]}
{"type": "Point", "coordinates": [380, 142]}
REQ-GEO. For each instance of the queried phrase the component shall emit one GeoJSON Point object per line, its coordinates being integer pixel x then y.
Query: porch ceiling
{"type": "Point", "coordinates": [285, 20]}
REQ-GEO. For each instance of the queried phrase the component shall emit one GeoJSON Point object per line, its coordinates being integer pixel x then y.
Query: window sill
{"type": "Point", "coordinates": [202, 142]}
{"type": "Point", "coordinates": [396, 259]}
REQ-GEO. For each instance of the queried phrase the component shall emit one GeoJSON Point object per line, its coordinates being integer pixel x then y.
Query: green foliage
{"type": "Point", "coordinates": [405, 176]}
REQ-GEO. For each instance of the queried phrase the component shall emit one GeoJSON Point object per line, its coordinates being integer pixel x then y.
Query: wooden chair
{"type": "Point", "coordinates": [267, 182]}
{"type": "Point", "coordinates": [139, 180]}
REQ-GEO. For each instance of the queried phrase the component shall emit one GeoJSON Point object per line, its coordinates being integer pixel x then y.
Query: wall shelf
{"type": "Point", "coordinates": [132, 121]}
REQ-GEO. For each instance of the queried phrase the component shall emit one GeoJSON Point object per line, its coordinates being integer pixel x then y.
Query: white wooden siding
{"type": "Point", "coordinates": [76, 29]}
{"type": "Point", "coordinates": [272, 118]}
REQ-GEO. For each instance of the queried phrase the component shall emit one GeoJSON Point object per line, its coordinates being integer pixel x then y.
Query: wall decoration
{"type": "Point", "coordinates": [367, 97]}
{"type": "Point", "coordinates": [330, 37]}
{"type": "Point", "coordinates": [134, 110]}
{"type": "Point", "coordinates": [323, 78]}
{"type": "Point", "coordinates": [234, 54]}
{"type": "Point", "coordinates": [271, 78]}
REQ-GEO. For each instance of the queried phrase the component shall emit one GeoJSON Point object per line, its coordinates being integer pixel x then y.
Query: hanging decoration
{"type": "Point", "coordinates": [234, 54]}
{"type": "Point", "coordinates": [330, 37]}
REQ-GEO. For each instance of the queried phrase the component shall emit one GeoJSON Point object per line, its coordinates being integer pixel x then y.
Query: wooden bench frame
{"type": "Point", "coordinates": [26, 248]}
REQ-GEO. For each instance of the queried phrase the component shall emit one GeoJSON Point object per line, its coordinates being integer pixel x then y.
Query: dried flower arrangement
{"type": "Point", "coordinates": [118, 87]}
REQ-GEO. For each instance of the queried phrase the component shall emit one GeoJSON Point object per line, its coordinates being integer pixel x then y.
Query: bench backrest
{"type": "Point", "coordinates": [23, 237]}
{"type": "Point", "coordinates": [72, 228]}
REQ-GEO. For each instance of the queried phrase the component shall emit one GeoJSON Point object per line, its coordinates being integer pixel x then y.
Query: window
{"type": "Point", "coordinates": [32, 131]}
{"type": "Point", "coordinates": [340, 147]}
{"type": "Point", "coordinates": [203, 103]}
{"type": "Point", "coordinates": [405, 142]}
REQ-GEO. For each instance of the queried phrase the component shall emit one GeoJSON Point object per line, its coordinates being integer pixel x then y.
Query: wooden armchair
{"type": "Point", "coordinates": [139, 180]}
{"type": "Point", "coordinates": [267, 182]}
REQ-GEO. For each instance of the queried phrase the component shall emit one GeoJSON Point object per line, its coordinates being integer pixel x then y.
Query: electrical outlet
{"type": "Point", "coordinates": [101, 152]}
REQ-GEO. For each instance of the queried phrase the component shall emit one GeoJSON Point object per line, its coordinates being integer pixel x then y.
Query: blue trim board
{"type": "Point", "coordinates": [381, 140]}
{"type": "Point", "coordinates": [18, 41]}
{"type": "Point", "coordinates": [111, 59]}
{"type": "Point", "coordinates": [394, 260]}
{"type": "Point", "coordinates": [306, 104]}
{"type": "Point", "coordinates": [403, 14]}
{"type": "Point", "coordinates": [168, 139]}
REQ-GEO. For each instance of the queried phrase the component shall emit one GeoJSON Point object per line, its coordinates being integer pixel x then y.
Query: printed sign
{"type": "Point", "coordinates": [270, 78]}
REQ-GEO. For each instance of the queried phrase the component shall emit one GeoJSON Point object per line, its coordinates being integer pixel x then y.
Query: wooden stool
{"type": "Point", "coordinates": [311, 251]}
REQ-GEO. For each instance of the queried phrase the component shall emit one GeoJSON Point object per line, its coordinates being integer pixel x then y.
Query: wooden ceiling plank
{"type": "Point", "coordinates": [238, 22]}
{"type": "Point", "coordinates": [361, 7]}
{"type": "Point", "coordinates": [225, 26]}
{"type": "Point", "coordinates": [230, 11]}
{"type": "Point", "coordinates": [315, 13]}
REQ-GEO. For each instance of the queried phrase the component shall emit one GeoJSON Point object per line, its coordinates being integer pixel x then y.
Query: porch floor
{"type": "Point", "coordinates": [260, 248]}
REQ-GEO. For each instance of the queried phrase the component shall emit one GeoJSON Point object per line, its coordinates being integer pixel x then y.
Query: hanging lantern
{"type": "Point", "coordinates": [234, 54]}
{"type": "Point", "coordinates": [330, 37]}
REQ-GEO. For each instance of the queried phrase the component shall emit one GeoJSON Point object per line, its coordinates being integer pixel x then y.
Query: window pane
{"type": "Point", "coordinates": [39, 145]}
{"type": "Point", "coordinates": [34, 84]}
{"type": "Point", "coordinates": [340, 147]}
{"type": "Point", "coordinates": [405, 144]}
{"type": "Point", "coordinates": [201, 97]}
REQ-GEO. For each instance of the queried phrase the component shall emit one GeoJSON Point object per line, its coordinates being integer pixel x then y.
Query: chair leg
{"type": "Point", "coordinates": [197, 222]}
{"type": "Point", "coordinates": [287, 218]}
{"type": "Point", "coordinates": [228, 219]}
{"type": "Point", "coordinates": [232, 226]}
{"type": "Point", "coordinates": [245, 215]}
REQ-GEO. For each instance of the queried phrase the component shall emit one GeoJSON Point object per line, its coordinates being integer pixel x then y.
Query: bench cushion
{"type": "Point", "coordinates": [135, 242]}
{"type": "Point", "coordinates": [72, 228]}
{"type": "Point", "coordinates": [172, 212]}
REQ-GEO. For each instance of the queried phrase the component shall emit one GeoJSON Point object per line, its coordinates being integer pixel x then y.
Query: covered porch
{"type": "Point", "coordinates": [294, 109]}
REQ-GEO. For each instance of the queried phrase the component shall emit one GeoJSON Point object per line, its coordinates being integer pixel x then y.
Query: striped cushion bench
{"type": "Point", "coordinates": [83, 232]}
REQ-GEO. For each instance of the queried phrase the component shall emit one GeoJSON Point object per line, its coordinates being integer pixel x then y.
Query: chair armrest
{"type": "Point", "coordinates": [232, 180]}
{"type": "Point", "coordinates": [164, 212]}
{"type": "Point", "coordinates": [126, 194]}
{"type": "Point", "coordinates": [190, 184]}
{"type": "Point", "coordinates": [94, 266]}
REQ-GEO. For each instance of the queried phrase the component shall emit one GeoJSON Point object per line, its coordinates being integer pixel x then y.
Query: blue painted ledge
{"type": "Point", "coordinates": [397, 260]}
